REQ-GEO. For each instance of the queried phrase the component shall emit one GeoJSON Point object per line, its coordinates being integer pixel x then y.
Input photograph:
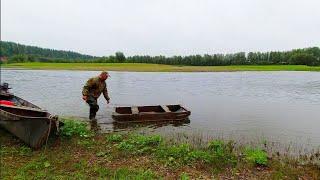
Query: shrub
{"type": "Point", "coordinates": [257, 156]}
{"type": "Point", "coordinates": [217, 147]}
{"type": "Point", "coordinates": [222, 153]}
{"type": "Point", "coordinates": [73, 127]}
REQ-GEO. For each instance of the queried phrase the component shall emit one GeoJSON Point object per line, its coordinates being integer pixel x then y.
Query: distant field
{"type": "Point", "coordinates": [140, 67]}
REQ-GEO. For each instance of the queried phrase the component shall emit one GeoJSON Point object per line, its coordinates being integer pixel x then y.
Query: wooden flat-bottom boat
{"type": "Point", "coordinates": [25, 120]}
{"type": "Point", "coordinates": [150, 113]}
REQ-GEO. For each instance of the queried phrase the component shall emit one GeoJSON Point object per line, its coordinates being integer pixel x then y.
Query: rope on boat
{"type": "Point", "coordinates": [48, 134]}
{"type": "Point", "coordinates": [51, 118]}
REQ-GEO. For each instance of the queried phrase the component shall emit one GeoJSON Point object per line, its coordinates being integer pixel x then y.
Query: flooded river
{"type": "Point", "coordinates": [281, 107]}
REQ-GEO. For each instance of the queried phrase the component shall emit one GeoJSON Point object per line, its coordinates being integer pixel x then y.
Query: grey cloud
{"type": "Point", "coordinates": [167, 27]}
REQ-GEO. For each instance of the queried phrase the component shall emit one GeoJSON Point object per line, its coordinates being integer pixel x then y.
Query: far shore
{"type": "Point", "coordinates": [141, 67]}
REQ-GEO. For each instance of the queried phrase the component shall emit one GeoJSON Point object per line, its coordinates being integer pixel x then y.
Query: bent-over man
{"type": "Point", "coordinates": [93, 89]}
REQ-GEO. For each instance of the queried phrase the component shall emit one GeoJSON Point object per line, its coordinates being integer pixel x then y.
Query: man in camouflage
{"type": "Point", "coordinates": [93, 89]}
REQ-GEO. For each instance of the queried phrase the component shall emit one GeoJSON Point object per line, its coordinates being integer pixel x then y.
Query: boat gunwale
{"type": "Point", "coordinates": [28, 103]}
{"type": "Point", "coordinates": [149, 120]}
{"type": "Point", "coordinates": [147, 113]}
{"type": "Point", "coordinates": [20, 117]}
{"type": "Point", "coordinates": [25, 108]}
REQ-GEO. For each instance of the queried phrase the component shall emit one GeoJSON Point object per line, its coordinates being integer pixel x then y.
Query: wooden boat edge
{"type": "Point", "coordinates": [118, 114]}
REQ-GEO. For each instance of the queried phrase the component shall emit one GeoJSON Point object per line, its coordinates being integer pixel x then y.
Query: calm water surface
{"type": "Point", "coordinates": [282, 107]}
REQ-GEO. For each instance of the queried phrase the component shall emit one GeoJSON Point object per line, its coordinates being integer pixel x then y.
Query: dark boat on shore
{"type": "Point", "coordinates": [25, 120]}
{"type": "Point", "coordinates": [151, 113]}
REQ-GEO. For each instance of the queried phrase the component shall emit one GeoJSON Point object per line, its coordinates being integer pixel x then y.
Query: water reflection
{"type": "Point", "coordinates": [153, 125]}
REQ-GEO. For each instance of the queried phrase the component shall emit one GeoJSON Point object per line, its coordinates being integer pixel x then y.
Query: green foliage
{"type": "Point", "coordinates": [175, 153]}
{"type": "Point", "coordinates": [36, 168]}
{"type": "Point", "coordinates": [304, 59]}
{"type": "Point", "coordinates": [114, 138]}
{"type": "Point", "coordinates": [127, 146]}
{"type": "Point", "coordinates": [223, 154]}
{"type": "Point", "coordinates": [120, 57]}
{"type": "Point", "coordinates": [218, 153]}
{"type": "Point", "coordinates": [17, 151]}
{"type": "Point", "coordinates": [306, 56]}
{"type": "Point", "coordinates": [139, 144]}
{"type": "Point", "coordinates": [256, 156]}
{"type": "Point", "coordinates": [183, 154]}
{"type": "Point", "coordinates": [74, 128]}
{"type": "Point", "coordinates": [22, 53]}
{"type": "Point", "coordinates": [86, 142]}
{"type": "Point", "coordinates": [25, 151]}
{"type": "Point", "coordinates": [311, 57]}
{"type": "Point", "coordinates": [184, 176]}
{"type": "Point", "coordinates": [217, 146]}
{"type": "Point", "coordinates": [103, 172]}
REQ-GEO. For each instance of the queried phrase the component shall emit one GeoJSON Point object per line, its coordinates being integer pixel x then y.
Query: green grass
{"type": "Point", "coordinates": [140, 67]}
{"type": "Point", "coordinates": [129, 155]}
{"type": "Point", "coordinates": [256, 156]}
{"type": "Point", "coordinates": [72, 128]}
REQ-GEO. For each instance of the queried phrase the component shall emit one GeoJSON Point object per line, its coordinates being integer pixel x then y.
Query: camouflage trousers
{"type": "Point", "coordinates": [94, 107]}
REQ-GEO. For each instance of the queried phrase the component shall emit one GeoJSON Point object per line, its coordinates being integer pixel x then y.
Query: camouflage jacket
{"type": "Point", "coordinates": [95, 87]}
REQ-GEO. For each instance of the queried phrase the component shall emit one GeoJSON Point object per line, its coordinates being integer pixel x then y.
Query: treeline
{"type": "Point", "coordinates": [19, 52]}
{"type": "Point", "coordinates": [305, 56]}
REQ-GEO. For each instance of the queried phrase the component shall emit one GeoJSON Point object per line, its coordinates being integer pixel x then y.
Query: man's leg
{"type": "Point", "coordinates": [94, 107]}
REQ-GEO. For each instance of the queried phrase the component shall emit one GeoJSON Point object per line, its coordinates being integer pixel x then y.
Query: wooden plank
{"type": "Point", "coordinates": [165, 108]}
{"type": "Point", "coordinates": [134, 110]}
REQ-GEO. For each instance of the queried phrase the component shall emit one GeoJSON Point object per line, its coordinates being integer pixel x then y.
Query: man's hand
{"type": "Point", "coordinates": [85, 98]}
{"type": "Point", "coordinates": [108, 101]}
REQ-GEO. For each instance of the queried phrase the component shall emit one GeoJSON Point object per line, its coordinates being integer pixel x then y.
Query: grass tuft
{"type": "Point", "coordinates": [74, 128]}
{"type": "Point", "coordinates": [256, 156]}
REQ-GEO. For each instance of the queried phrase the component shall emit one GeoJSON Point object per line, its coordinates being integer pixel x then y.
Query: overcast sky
{"type": "Point", "coordinates": [162, 27]}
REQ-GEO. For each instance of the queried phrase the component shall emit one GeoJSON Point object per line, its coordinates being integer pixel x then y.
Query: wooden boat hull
{"type": "Point", "coordinates": [151, 113]}
{"type": "Point", "coordinates": [33, 132]}
{"type": "Point", "coordinates": [29, 123]}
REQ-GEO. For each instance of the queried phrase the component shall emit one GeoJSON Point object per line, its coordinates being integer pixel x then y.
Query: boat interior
{"type": "Point", "coordinates": [149, 109]}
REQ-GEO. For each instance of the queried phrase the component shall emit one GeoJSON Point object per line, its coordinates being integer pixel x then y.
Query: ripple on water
{"type": "Point", "coordinates": [280, 106]}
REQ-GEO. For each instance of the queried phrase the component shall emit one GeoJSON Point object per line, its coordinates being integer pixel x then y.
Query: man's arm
{"type": "Point", "coordinates": [105, 93]}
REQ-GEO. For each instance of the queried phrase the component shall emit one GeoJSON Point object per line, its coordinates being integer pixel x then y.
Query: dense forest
{"type": "Point", "coordinates": [307, 56]}
{"type": "Point", "coordinates": [32, 53]}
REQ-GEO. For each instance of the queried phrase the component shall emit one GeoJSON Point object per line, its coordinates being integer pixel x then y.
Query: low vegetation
{"type": "Point", "coordinates": [74, 128]}
{"type": "Point", "coordinates": [256, 156]}
{"type": "Point", "coordinates": [80, 154]}
{"type": "Point", "coordinates": [140, 67]}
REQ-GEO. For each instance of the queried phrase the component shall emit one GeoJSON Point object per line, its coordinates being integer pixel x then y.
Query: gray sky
{"type": "Point", "coordinates": [162, 27]}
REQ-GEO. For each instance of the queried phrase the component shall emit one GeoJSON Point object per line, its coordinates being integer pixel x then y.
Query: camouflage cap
{"type": "Point", "coordinates": [105, 73]}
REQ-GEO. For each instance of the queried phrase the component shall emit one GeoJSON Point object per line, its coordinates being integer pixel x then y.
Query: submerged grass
{"type": "Point", "coordinates": [157, 67]}
{"type": "Point", "coordinates": [124, 155]}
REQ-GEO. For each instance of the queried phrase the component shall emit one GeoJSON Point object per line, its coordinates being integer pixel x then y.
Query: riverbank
{"type": "Point", "coordinates": [140, 67]}
{"type": "Point", "coordinates": [81, 154]}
